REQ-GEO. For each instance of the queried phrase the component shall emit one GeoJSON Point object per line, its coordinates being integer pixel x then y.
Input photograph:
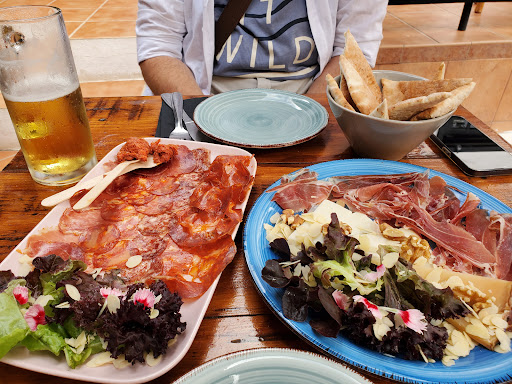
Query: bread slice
{"type": "Point", "coordinates": [457, 96]}
{"type": "Point", "coordinates": [363, 98]}
{"type": "Point", "coordinates": [336, 93]}
{"type": "Point", "coordinates": [356, 57]}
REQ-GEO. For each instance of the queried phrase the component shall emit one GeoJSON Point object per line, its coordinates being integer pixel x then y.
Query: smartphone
{"type": "Point", "coordinates": [475, 153]}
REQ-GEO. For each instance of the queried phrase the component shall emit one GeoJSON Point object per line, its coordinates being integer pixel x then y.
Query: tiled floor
{"type": "Point", "coordinates": [437, 23]}
{"type": "Point", "coordinates": [6, 157]}
{"type": "Point", "coordinates": [104, 23]}
{"type": "Point", "coordinates": [433, 27]}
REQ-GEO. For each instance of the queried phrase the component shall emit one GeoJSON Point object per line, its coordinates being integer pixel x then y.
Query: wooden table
{"type": "Point", "coordinates": [237, 318]}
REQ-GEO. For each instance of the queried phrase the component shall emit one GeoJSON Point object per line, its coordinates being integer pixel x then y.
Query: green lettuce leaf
{"type": "Point", "coordinates": [76, 359]}
{"type": "Point", "coordinates": [47, 337]}
{"type": "Point", "coordinates": [13, 327]}
{"type": "Point", "coordinates": [51, 337]}
{"type": "Point", "coordinates": [339, 270]}
{"type": "Point", "coordinates": [50, 279]}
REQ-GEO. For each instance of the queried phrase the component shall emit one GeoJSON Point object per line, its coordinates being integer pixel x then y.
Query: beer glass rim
{"type": "Point", "coordinates": [9, 10]}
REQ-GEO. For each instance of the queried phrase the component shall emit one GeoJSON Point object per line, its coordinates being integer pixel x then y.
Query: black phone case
{"type": "Point", "coordinates": [462, 165]}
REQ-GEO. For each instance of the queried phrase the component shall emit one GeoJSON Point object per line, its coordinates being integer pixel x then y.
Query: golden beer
{"type": "Point", "coordinates": [54, 136]}
{"type": "Point", "coordinates": [40, 85]}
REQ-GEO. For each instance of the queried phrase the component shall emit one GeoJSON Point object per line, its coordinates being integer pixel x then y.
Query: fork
{"type": "Point", "coordinates": [175, 102]}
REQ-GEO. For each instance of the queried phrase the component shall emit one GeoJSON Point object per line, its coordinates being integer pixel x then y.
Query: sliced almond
{"type": "Point", "coordinates": [499, 322]}
{"type": "Point", "coordinates": [478, 330]}
{"type": "Point", "coordinates": [503, 338]}
{"type": "Point", "coordinates": [152, 361]}
{"type": "Point", "coordinates": [133, 261]}
{"type": "Point", "coordinates": [113, 303]}
{"type": "Point", "coordinates": [154, 313]}
{"type": "Point", "coordinates": [64, 304]}
{"type": "Point", "coordinates": [73, 292]}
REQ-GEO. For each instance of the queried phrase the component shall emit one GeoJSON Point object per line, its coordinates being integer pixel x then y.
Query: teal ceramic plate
{"type": "Point", "coordinates": [260, 118]}
{"type": "Point", "coordinates": [272, 365]}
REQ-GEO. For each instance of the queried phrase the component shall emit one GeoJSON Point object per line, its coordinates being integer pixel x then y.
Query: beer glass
{"type": "Point", "coordinates": [39, 82]}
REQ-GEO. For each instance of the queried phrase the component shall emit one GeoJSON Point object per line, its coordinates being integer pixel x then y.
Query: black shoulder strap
{"type": "Point", "coordinates": [228, 20]}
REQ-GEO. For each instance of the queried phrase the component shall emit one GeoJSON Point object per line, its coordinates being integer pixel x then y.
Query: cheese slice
{"type": "Point", "coordinates": [500, 289]}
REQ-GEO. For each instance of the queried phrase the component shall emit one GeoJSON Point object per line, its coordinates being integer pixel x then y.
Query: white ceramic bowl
{"type": "Point", "coordinates": [378, 138]}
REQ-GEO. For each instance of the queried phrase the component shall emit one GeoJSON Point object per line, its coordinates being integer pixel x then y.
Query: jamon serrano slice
{"type": "Point", "coordinates": [467, 239]}
{"type": "Point", "coordinates": [498, 236]}
{"type": "Point", "coordinates": [393, 203]}
{"type": "Point", "coordinates": [54, 242]}
{"type": "Point", "coordinates": [301, 192]}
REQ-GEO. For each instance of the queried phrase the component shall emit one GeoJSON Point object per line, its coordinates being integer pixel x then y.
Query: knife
{"type": "Point", "coordinates": [175, 102]}
{"type": "Point", "coordinates": [193, 131]}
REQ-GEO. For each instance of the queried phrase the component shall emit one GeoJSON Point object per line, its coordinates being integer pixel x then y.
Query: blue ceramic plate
{"type": "Point", "coordinates": [260, 118]}
{"type": "Point", "coordinates": [481, 366]}
{"type": "Point", "coordinates": [272, 365]}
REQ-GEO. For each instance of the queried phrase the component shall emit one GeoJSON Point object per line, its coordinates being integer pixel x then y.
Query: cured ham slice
{"type": "Point", "coordinates": [346, 183]}
{"type": "Point", "coordinates": [76, 222]}
{"type": "Point", "coordinates": [499, 234]}
{"type": "Point", "coordinates": [178, 217]}
{"type": "Point", "coordinates": [191, 272]}
{"type": "Point", "coordinates": [54, 242]}
{"type": "Point", "coordinates": [117, 210]}
{"type": "Point", "coordinates": [100, 239]}
{"type": "Point", "coordinates": [231, 172]}
{"type": "Point", "coordinates": [301, 192]}
{"type": "Point", "coordinates": [390, 202]}
{"type": "Point", "coordinates": [477, 222]}
{"type": "Point", "coordinates": [470, 204]}
{"type": "Point", "coordinates": [466, 238]}
{"type": "Point", "coordinates": [442, 202]}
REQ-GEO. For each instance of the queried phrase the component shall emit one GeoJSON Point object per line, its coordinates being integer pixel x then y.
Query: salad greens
{"type": "Point", "coordinates": [390, 309]}
{"type": "Point", "coordinates": [60, 308]}
{"type": "Point", "coordinates": [13, 327]}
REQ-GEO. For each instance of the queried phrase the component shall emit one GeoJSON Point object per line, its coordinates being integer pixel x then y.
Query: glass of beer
{"type": "Point", "coordinates": [39, 83]}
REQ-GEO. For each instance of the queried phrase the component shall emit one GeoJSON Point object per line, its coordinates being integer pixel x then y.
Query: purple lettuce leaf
{"type": "Point", "coordinates": [5, 278]}
{"type": "Point", "coordinates": [274, 275]}
{"type": "Point", "coordinates": [295, 302]}
{"type": "Point", "coordinates": [130, 331]}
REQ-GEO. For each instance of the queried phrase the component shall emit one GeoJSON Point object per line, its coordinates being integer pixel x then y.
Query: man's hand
{"type": "Point", "coordinates": [320, 84]}
{"type": "Point", "coordinates": [164, 74]}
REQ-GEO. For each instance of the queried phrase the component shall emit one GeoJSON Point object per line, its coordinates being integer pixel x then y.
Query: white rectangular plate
{"type": "Point", "coordinates": [192, 311]}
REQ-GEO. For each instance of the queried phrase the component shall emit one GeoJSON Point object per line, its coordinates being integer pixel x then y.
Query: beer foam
{"type": "Point", "coordinates": [42, 90]}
